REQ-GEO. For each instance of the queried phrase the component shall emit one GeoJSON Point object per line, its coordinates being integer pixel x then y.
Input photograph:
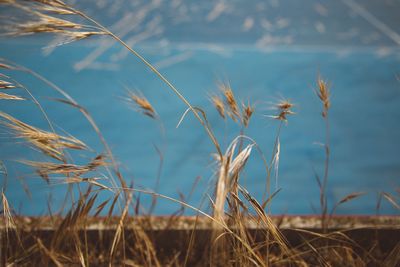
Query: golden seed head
{"type": "Point", "coordinates": [284, 105]}
{"type": "Point", "coordinates": [40, 21]}
{"type": "Point", "coordinates": [143, 104]}
{"type": "Point", "coordinates": [247, 113]}
{"type": "Point", "coordinates": [10, 97]}
{"type": "Point", "coordinates": [49, 143]}
{"type": "Point", "coordinates": [6, 85]}
{"type": "Point", "coordinates": [219, 105]}
{"type": "Point", "coordinates": [230, 101]}
{"type": "Point", "coordinates": [324, 95]}
{"type": "Point", "coordinates": [284, 109]}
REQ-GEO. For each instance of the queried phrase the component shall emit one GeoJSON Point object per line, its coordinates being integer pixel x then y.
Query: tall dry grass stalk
{"type": "Point", "coordinates": [323, 93]}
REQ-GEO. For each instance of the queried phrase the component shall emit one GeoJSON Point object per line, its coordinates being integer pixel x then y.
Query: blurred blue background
{"type": "Point", "coordinates": [266, 50]}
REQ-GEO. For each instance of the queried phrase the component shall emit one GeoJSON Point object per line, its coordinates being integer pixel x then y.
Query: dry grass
{"type": "Point", "coordinates": [324, 95]}
{"type": "Point", "coordinates": [228, 105]}
{"type": "Point", "coordinates": [283, 108]}
{"type": "Point", "coordinates": [233, 108]}
{"type": "Point", "coordinates": [142, 104]}
{"type": "Point", "coordinates": [6, 85]}
{"type": "Point", "coordinates": [231, 242]}
{"type": "Point", "coordinates": [247, 112]}
{"type": "Point", "coordinates": [4, 96]}
{"type": "Point", "coordinates": [42, 20]}
{"type": "Point", "coordinates": [49, 143]}
{"type": "Point", "coordinates": [219, 105]}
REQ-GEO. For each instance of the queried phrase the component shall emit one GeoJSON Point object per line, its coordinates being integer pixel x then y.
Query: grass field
{"type": "Point", "coordinates": [119, 231]}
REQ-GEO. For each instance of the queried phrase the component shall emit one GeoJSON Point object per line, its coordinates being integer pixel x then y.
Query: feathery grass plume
{"type": "Point", "coordinates": [40, 22]}
{"type": "Point", "coordinates": [48, 168]}
{"type": "Point", "coordinates": [54, 6]}
{"type": "Point", "coordinates": [283, 107]}
{"type": "Point", "coordinates": [5, 96]}
{"type": "Point", "coordinates": [324, 94]}
{"type": "Point", "coordinates": [78, 179]}
{"type": "Point", "coordinates": [140, 103]}
{"type": "Point", "coordinates": [230, 101]}
{"type": "Point", "coordinates": [49, 143]}
{"type": "Point", "coordinates": [6, 85]}
{"type": "Point", "coordinates": [219, 105]}
{"type": "Point", "coordinates": [247, 112]}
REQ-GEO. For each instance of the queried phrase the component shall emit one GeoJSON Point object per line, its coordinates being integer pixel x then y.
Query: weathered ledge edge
{"type": "Point", "coordinates": [344, 222]}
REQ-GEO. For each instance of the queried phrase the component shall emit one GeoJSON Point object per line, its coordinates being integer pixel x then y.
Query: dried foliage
{"type": "Point", "coordinates": [140, 103]}
{"type": "Point", "coordinates": [43, 19]}
{"type": "Point", "coordinates": [227, 105]}
{"type": "Point", "coordinates": [219, 105]}
{"type": "Point", "coordinates": [284, 108]}
{"type": "Point", "coordinates": [49, 143]}
{"type": "Point", "coordinates": [233, 207]}
{"type": "Point", "coordinates": [324, 95]}
{"type": "Point", "coordinates": [230, 101]}
{"type": "Point", "coordinates": [247, 112]}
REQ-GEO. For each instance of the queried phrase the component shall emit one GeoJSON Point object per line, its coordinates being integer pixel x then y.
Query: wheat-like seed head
{"type": "Point", "coordinates": [40, 21]}
{"type": "Point", "coordinates": [142, 104]}
{"type": "Point", "coordinates": [284, 108]}
{"type": "Point", "coordinates": [45, 169]}
{"type": "Point", "coordinates": [324, 95]}
{"type": "Point", "coordinates": [6, 85]}
{"type": "Point", "coordinates": [247, 112]}
{"type": "Point", "coordinates": [49, 143]}
{"type": "Point", "coordinates": [5, 96]}
{"type": "Point", "coordinates": [219, 105]}
{"type": "Point", "coordinates": [230, 101]}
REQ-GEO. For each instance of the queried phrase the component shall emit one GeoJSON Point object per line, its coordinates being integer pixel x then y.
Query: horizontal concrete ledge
{"type": "Point", "coordinates": [202, 222]}
{"type": "Point", "coordinates": [372, 238]}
